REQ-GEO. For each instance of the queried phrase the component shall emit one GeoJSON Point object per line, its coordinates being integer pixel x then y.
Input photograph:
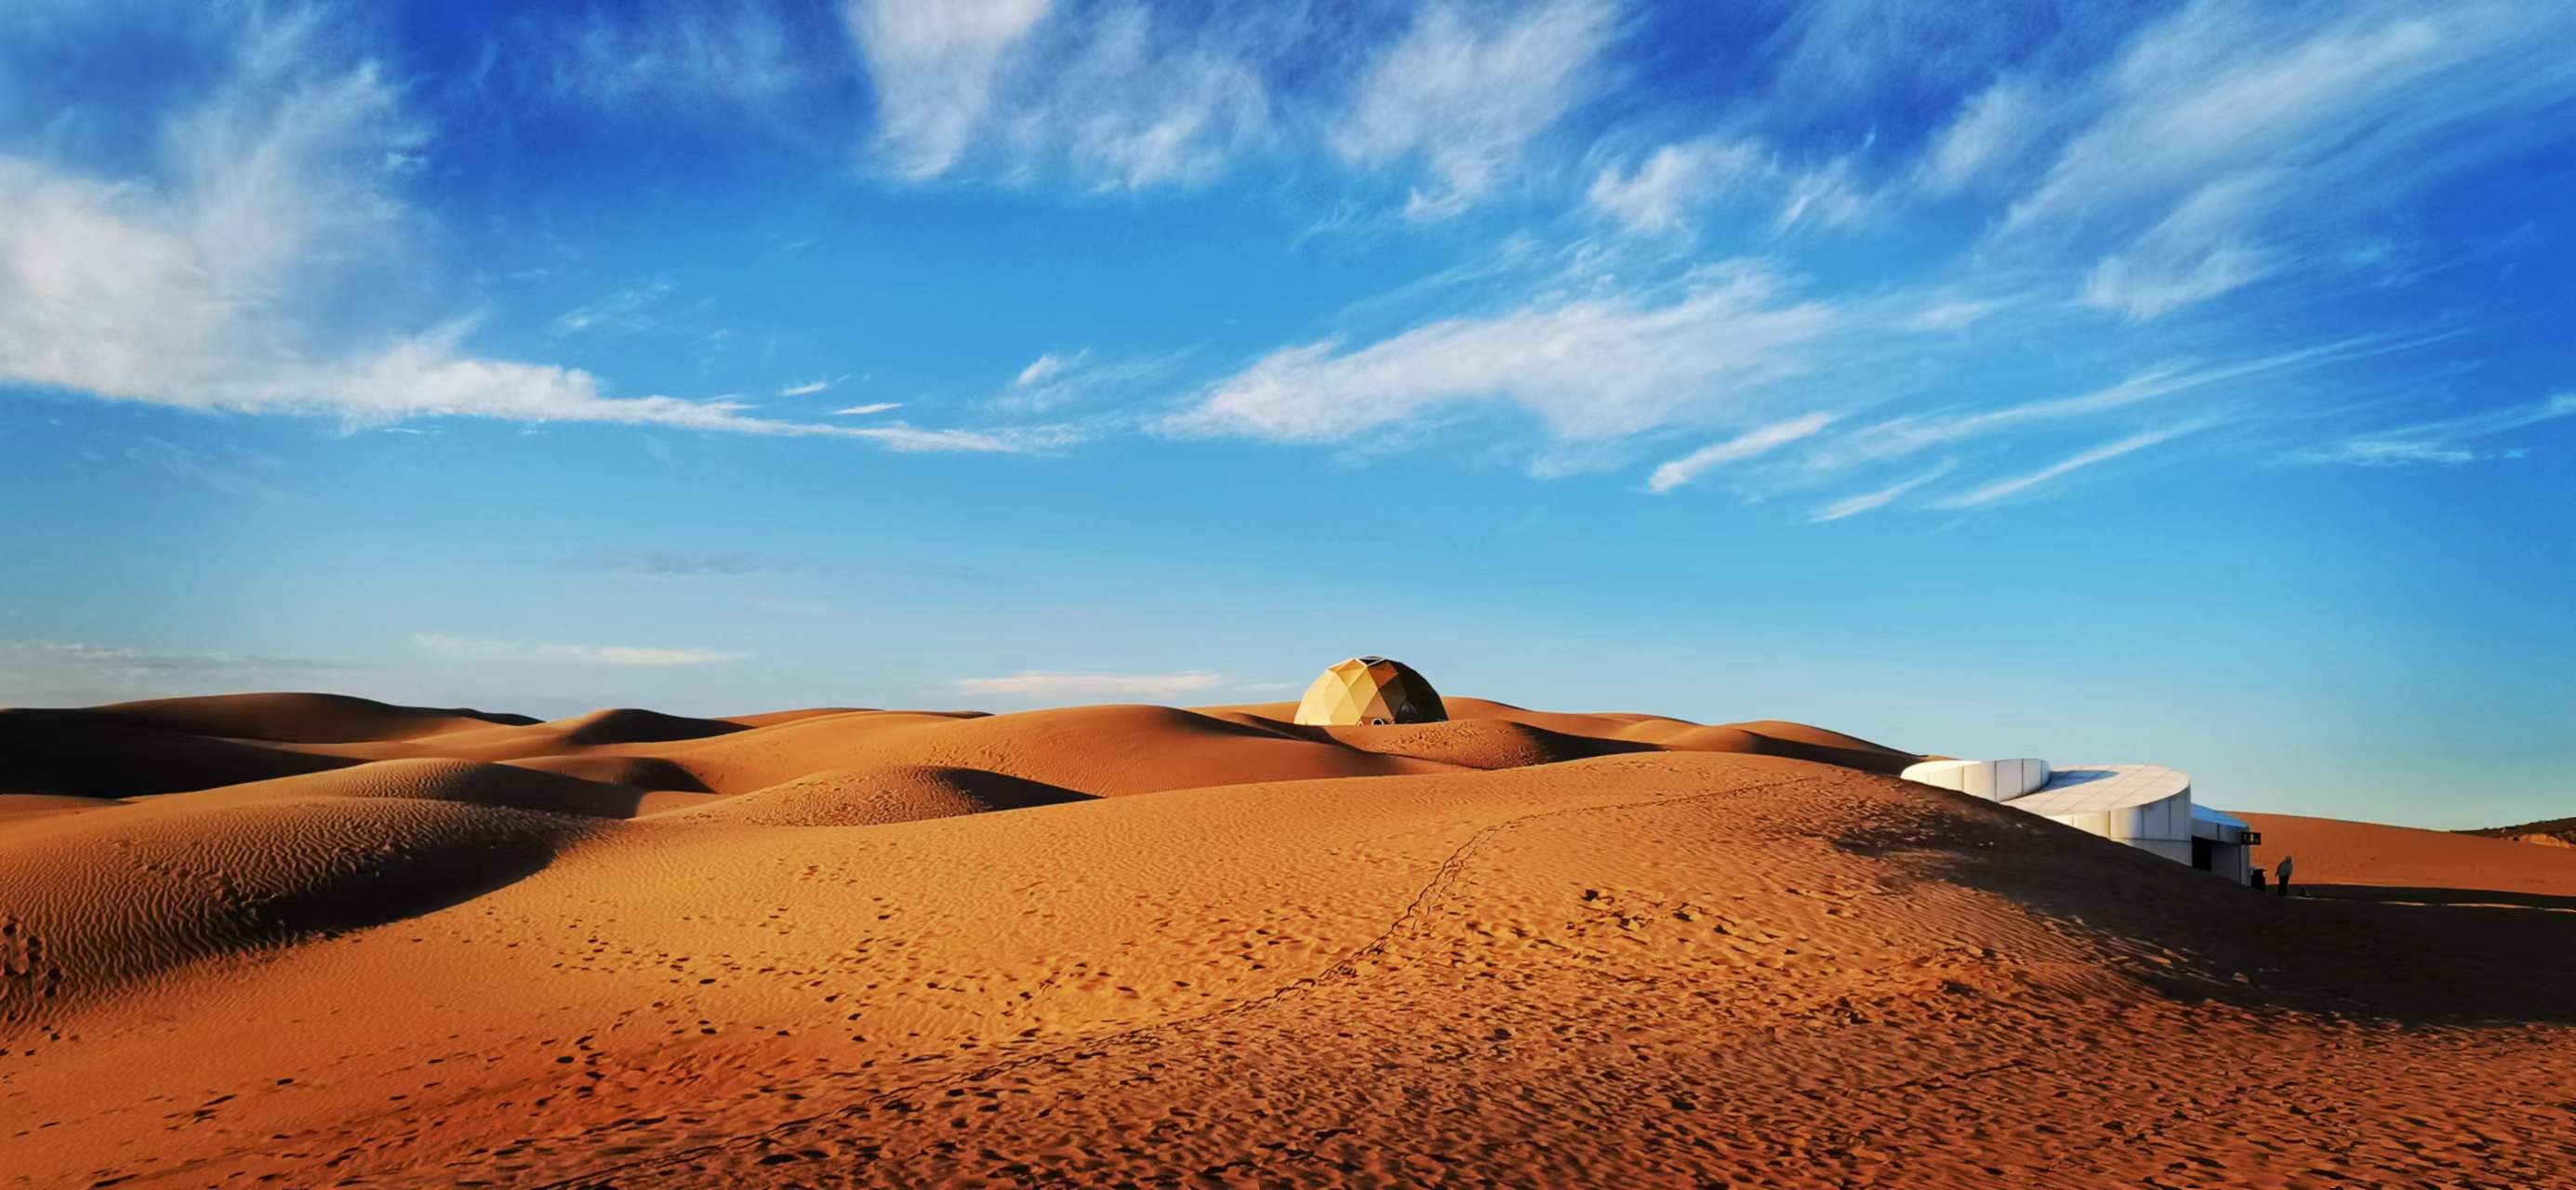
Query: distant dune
{"type": "Point", "coordinates": [2554, 832]}
{"type": "Point", "coordinates": [2440, 864]}
{"type": "Point", "coordinates": [297, 939]}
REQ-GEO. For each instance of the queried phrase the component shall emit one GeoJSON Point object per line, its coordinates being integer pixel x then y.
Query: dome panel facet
{"type": "Point", "coordinates": [1365, 690]}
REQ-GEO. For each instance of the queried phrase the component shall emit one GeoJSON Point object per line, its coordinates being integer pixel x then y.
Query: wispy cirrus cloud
{"type": "Point", "coordinates": [740, 52]}
{"type": "Point", "coordinates": [73, 673]}
{"type": "Point", "coordinates": [205, 282]}
{"type": "Point", "coordinates": [1758, 441]}
{"type": "Point", "coordinates": [1852, 506]}
{"type": "Point", "coordinates": [2228, 143]}
{"type": "Point", "coordinates": [1467, 88]}
{"type": "Point", "coordinates": [467, 648]}
{"type": "Point", "coordinates": [626, 310]}
{"type": "Point", "coordinates": [1043, 684]}
{"type": "Point", "coordinates": [1591, 369]}
{"type": "Point", "coordinates": [1118, 95]}
{"type": "Point", "coordinates": [934, 67]}
{"type": "Point", "coordinates": [1667, 189]}
{"type": "Point", "coordinates": [1659, 192]}
{"type": "Point", "coordinates": [1057, 380]}
{"type": "Point", "coordinates": [2443, 442]}
{"type": "Point", "coordinates": [2016, 485]}
{"type": "Point", "coordinates": [807, 388]}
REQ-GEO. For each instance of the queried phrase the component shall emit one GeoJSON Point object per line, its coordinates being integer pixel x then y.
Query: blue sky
{"type": "Point", "coordinates": [2176, 383]}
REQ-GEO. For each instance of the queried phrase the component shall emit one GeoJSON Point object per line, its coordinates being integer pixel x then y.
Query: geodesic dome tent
{"type": "Point", "coordinates": [1371, 690]}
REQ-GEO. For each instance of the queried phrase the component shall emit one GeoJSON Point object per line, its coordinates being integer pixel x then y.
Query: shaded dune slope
{"type": "Point", "coordinates": [467, 782]}
{"type": "Point", "coordinates": [96, 900]}
{"type": "Point", "coordinates": [89, 754]}
{"type": "Point", "coordinates": [876, 796]}
{"type": "Point", "coordinates": [300, 718]}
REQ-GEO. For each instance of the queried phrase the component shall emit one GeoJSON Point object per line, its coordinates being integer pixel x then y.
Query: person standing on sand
{"type": "Point", "coordinates": [2281, 872]}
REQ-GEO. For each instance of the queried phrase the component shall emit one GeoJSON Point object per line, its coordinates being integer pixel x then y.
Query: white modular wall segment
{"type": "Point", "coordinates": [1993, 780]}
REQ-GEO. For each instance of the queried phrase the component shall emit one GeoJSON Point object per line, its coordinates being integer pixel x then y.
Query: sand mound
{"type": "Point", "coordinates": [878, 796]}
{"type": "Point", "coordinates": [1477, 743]}
{"type": "Point", "coordinates": [96, 901]}
{"type": "Point", "coordinates": [1799, 746]}
{"type": "Point", "coordinates": [468, 782]}
{"type": "Point", "coordinates": [299, 718]}
{"type": "Point", "coordinates": [629, 725]}
{"type": "Point", "coordinates": [774, 718]}
{"type": "Point", "coordinates": [1102, 750]}
{"type": "Point", "coordinates": [641, 772]}
{"type": "Point", "coordinates": [80, 753]}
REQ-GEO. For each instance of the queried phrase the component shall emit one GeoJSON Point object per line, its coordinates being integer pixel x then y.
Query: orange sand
{"type": "Point", "coordinates": [298, 940]}
{"type": "Point", "coordinates": [2390, 859]}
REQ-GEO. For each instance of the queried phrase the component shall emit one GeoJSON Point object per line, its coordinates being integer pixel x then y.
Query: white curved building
{"type": "Point", "coordinates": [2143, 805]}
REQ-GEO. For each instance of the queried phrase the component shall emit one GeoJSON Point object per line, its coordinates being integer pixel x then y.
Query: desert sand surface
{"type": "Point", "coordinates": [2368, 860]}
{"type": "Point", "coordinates": [299, 940]}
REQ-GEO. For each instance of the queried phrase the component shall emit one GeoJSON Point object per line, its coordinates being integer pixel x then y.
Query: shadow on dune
{"type": "Point", "coordinates": [416, 886]}
{"type": "Point", "coordinates": [2416, 965]}
{"type": "Point", "coordinates": [2471, 897]}
{"type": "Point", "coordinates": [84, 754]}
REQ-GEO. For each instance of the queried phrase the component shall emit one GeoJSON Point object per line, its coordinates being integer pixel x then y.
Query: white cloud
{"type": "Point", "coordinates": [1038, 683]}
{"type": "Point", "coordinates": [1054, 381]}
{"type": "Point", "coordinates": [1761, 440]}
{"type": "Point", "coordinates": [1467, 88]}
{"type": "Point", "coordinates": [1994, 129]}
{"type": "Point", "coordinates": [2230, 141]}
{"type": "Point", "coordinates": [622, 311]}
{"type": "Point", "coordinates": [1660, 192]}
{"type": "Point", "coordinates": [1593, 369]}
{"type": "Point", "coordinates": [1910, 434]}
{"type": "Point", "coordinates": [1131, 101]}
{"type": "Point", "coordinates": [934, 68]}
{"type": "Point", "coordinates": [1950, 314]}
{"type": "Point", "coordinates": [617, 54]}
{"type": "Point", "coordinates": [70, 673]}
{"type": "Point", "coordinates": [1852, 506]}
{"type": "Point", "coordinates": [807, 388]}
{"type": "Point", "coordinates": [466, 648]}
{"type": "Point", "coordinates": [2196, 253]}
{"type": "Point", "coordinates": [1824, 196]}
{"type": "Point", "coordinates": [211, 283]}
{"type": "Point", "coordinates": [1122, 96]}
{"type": "Point", "coordinates": [1048, 367]}
{"type": "Point", "coordinates": [869, 408]}
{"type": "Point", "coordinates": [2016, 485]}
{"type": "Point", "coordinates": [2445, 442]}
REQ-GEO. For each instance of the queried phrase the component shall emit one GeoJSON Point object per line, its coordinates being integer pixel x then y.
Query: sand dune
{"type": "Point", "coordinates": [879, 795]}
{"type": "Point", "coordinates": [469, 782]}
{"type": "Point", "coordinates": [299, 718]}
{"type": "Point", "coordinates": [642, 772]}
{"type": "Point", "coordinates": [104, 755]}
{"type": "Point", "coordinates": [2439, 863]}
{"type": "Point", "coordinates": [1124, 944]}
